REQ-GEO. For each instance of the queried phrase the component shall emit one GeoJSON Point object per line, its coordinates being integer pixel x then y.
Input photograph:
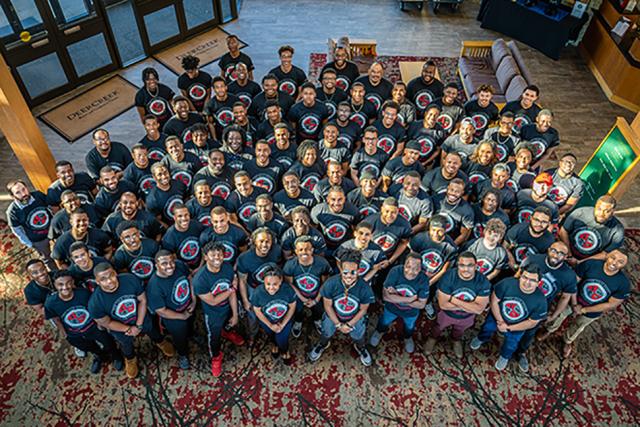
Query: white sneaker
{"type": "Point", "coordinates": [296, 329]}
{"type": "Point", "coordinates": [79, 353]}
{"type": "Point", "coordinates": [318, 325]}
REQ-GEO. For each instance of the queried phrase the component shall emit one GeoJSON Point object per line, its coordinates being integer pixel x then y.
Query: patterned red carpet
{"type": "Point", "coordinates": [447, 67]}
{"type": "Point", "coordinates": [43, 383]}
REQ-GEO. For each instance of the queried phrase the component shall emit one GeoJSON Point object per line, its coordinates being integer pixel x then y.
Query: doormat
{"type": "Point", "coordinates": [91, 109]}
{"type": "Point", "coordinates": [209, 47]}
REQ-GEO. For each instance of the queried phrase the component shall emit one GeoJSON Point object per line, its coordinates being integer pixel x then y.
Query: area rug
{"type": "Point", "coordinates": [43, 383]}
{"type": "Point", "coordinates": [447, 67]}
{"type": "Point", "coordinates": [91, 109]}
{"type": "Point", "coordinates": [209, 47]}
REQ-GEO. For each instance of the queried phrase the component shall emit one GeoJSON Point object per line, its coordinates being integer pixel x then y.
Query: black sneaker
{"type": "Point", "coordinates": [118, 364]}
{"type": "Point", "coordinates": [96, 365]}
{"type": "Point", "coordinates": [365, 356]}
{"type": "Point", "coordinates": [317, 351]}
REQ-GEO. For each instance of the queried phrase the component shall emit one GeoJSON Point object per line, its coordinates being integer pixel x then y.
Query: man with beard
{"type": "Point", "coordinates": [463, 293]}
{"type": "Point", "coordinates": [129, 210]}
{"type": "Point", "coordinates": [290, 77]}
{"type": "Point", "coordinates": [591, 232]}
{"type": "Point", "coordinates": [119, 305]}
{"type": "Point", "coordinates": [265, 217]}
{"type": "Point", "coordinates": [170, 295]}
{"type": "Point", "coordinates": [538, 195]}
{"type": "Point", "coordinates": [372, 257]}
{"type": "Point", "coordinates": [194, 83]}
{"type": "Point", "coordinates": [251, 266]}
{"type": "Point", "coordinates": [335, 177]}
{"type": "Point", "coordinates": [68, 309]}
{"type": "Point", "coordinates": [39, 287]}
{"type": "Point", "coordinates": [292, 195]}
{"type": "Point", "coordinates": [229, 61]}
{"type": "Point", "coordinates": [463, 142]}
{"type": "Point", "coordinates": [110, 191]}
{"type": "Point", "coordinates": [525, 109]}
{"type": "Point", "coordinates": [283, 151]}
{"type": "Point", "coordinates": [202, 202]}
{"type": "Point", "coordinates": [346, 298]}
{"type": "Point", "coordinates": [498, 182]}
{"type": "Point", "coordinates": [139, 171]}
{"type": "Point", "coordinates": [517, 305]}
{"type": "Point", "coordinates": [328, 93]}
{"type": "Point", "coordinates": [231, 236]}
{"type": "Point", "coordinates": [183, 237]}
{"type": "Point", "coordinates": [301, 226]}
{"type": "Point", "coordinates": [377, 88]}
{"type": "Point", "coordinates": [414, 204]}
{"type": "Point", "coordinates": [264, 171]}
{"type": "Point", "coordinates": [96, 240]}
{"type": "Point", "coordinates": [404, 294]}
{"type": "Point", "coordinates": [390, 231]}
{"type": "Point", "coordinates": [602, 287]}
{"type": "Point", "coordinates": [346, 71]}
{"type": "Point", "coordinates": [391, 134]}
{"type": "Point", "coordinates": [456, 211]}
{"type": "Point", "coordinates": [543, 138]}
{"type": "Point", "coordinates": [164, 195]}
{"type": "Point", "coordinates": [136, 253]}
{"type": "Point", "coordinates": [219, 109]}
{"type": "Point", "coordinates": [217, 175]}
{"type": "Point", "coordinates": [436, 180]}
{"type": "Point", "coordinates": [308, 115]}
{"type": "Point", "coordinates": [180, 124]}
{"type": "Point", "coordinates": [106, 153]}
{"type": "Point", "coordinates": [396, 169]}
{"type": "Point", "coordinates": [79, 182]}
{"type": "Point", "coordinates": [363, 111]}
{"type": "Point", "coordinates": [557, 280]}
{"type": "Point", "coordinates": [241, 203]}
{"type": "Point", "coordinates": [349, 132]}
{"type": "Point", "coordinates": [216, 285]}
{"type": "Point", "coordinates": [491, 257]}
{"type": "Point", "coordinates": [451, 111]}
{"type": "Point", "coordinates": [367, 197]}
{"type": "Point", "coordinates": [306, 273]}
{"type": "Point", "coordinates": [182, 165]}
{"type": "Point", "coordinates": [429, 133]}
{"type": "Point", "coordinates": [425, 89]}
{"type": "Point", "coordinates": [529, 237]}
{"type": "Point", "coordinates": [504, 137]}
{"type": "Point", "coordinates": [488, 207]}
{"type": "Point", "coordinates": [482, 111]}
{"type": "Point", "coordinates": [270, 92]}
{"type": "Point", "coordinates": [154, 139]}
{"type": "Point", "coordinates": [368, 158]}
{"type": "Point", "coordinates": [29, 218]}
{"type": "Point", "coordinates": [567, 187]}
{"type": "Point", "coordinates": [335, 217]}
{"type": "Point", "coordinates": [70, 202]}
{"type": "Point", "coordinates": [266, 129]}
{"type": "Point", "coordinates": [331, 148]}
{"type": "Point", "coordinates": [243, 86]}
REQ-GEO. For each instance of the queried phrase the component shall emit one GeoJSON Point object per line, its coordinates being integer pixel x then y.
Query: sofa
{"type": "Point", "coordinates": [496, 63]}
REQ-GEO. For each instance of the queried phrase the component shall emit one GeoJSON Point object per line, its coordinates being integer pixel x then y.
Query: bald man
{"type": "Point", "coordinates": [377, 88]}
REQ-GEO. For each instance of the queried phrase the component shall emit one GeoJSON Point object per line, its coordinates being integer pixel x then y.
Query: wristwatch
{"type": "Point", "coordinates": [139, 327]}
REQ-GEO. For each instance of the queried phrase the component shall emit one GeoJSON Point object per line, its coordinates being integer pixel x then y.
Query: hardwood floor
{"type": "Point", "coordinates": [583, 115]}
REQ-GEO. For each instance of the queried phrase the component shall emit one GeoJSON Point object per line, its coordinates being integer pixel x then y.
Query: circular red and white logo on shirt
{"type": "Point", "coordinates": [221, 190]}
{"type": "Point", "coordinates": [375, 99]}
{"type": "Point", "coordinates": [342, 83]}
{"type": "Point", "coordinates": [77, 318]}
{"type": "Point", "coordinates": [246, 211]}
{"type": "Point", "coordinates": [189, 249]}
{"type": "Point", "coordinates": [39, 219]}
{"type": "Point", "coordinates": [229, 251]}
{"type": "Point", "coordinates": [558, 195]}
{"type": "Point", "coordinates": [423, 99]}
{"type": "Point", "coordinates": [197, 92]}
{"type": "Point", "coordinates": [246, 99]}
{"type": "Point", "coordinates": [125, 308]}
{"type": "Point", "coordinates": [520, 121]}
{"type": "Point", "coordinates": [538, 147]}
{"type": "Point", "coordinates": [288, 87]}
{"type": "Point", "coordinates": [594, 291]}
{"type": "Point", "coordinates": [182, 176]}
{"type": "Point", "coordinates": [586, 241]}
{"type": "Point", "coordinates": [310, 124]}
{"type": "Point", "coordinates": [181, 291]}
{"type": "Point", "coordinates": [264, 181]}
{"type": "Point", "coordinates": [386, 241]}
{"type": "Point", "coordinates": [484, 265]}
{"type": "Point", "coordinates": [446, 121]}
{"type": "Point", "coordinates": [513, 310]}
{"type": "Point", "coordinates": [336, 231]}
{"type": "Point", "coordinates": [309, 182]}
{"type": "Point", "coordinates": [426, 146]}
{"type": "Point", "coordinates": [405, 212]}
{"type": "Point", "coordinates": [501, 152]}
{"type": "Point", "coordinates": [157, 107]}
{"type": "Point", "coordinates": [276, 310]}
{"type": "Point", "coordinates": [432, 260]}
{"type": "Point", "coordinates": [386, 143]}
{"type": "Point", "coordinates": [345, 306]}
{"type": "Point", "coordinates": [142, 268]}
{"type": "Point", "coordinates": [524, 214]}
{"type": "Point", "coordinates": [479, 121]}
{"type": "Point", "coordinates": [170, 206]}
{"type": "Point", "coordinates": [363, 267]}
{"type": "Point", "coordinates": [230, 72]}
{"type": "Point", "coordinates": [224, 116]}
{"type": "Point", "coordinates": [359, 119]}
{"type": "Point", "coordinates": [307, 283]}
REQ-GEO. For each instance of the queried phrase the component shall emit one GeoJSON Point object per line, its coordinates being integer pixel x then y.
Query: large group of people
{"type": "Point", "coordinates": [291, 207]}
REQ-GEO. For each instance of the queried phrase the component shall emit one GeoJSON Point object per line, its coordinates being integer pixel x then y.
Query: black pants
{"type": "Point", "coordinates": [180, 331]}
{"type": "Point", "coordinates": [214, 320]}
{"type": "Point", "coordinates": [316, 311]}
{"type": "Point", "coordinates": [91, 342]}
{"type": "Point", "coordinates": [126, 342]}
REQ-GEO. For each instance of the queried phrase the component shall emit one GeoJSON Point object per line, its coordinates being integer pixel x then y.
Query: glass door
{"type": "Point", "coordinates": [53, 46]}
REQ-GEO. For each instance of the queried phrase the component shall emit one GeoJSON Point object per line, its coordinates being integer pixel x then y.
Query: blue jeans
{"type": "Point", "coordinates": [526, 341]}
{"type": "Point", "coordinates": [389, 317]}
{"type": "Point", "coordinates": [511, 339]}
{"type": "Point", "coordinates": [281, 339]}
{"type": "Point", "coordinates": [356, 334]}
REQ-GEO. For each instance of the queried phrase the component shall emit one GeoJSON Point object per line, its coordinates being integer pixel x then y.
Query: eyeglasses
{"type": "Point", "coordinates": [352, 272]}
{"type": "Point", "coordinates": [554, 251]}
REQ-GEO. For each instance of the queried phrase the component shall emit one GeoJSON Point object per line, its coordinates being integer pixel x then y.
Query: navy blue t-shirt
{"type": "Point", "coordinates": [596, 287]}
{"type": "Point", "coordinates": [73, 314]}
{"type": "Point", "coordinates": [35, 294]}
{"type": "Point", "coordinates": [254, 266]}
{"type": "Point", "coordinates": [141, 264]}
{"type": "Point", "coordinates": [118, 158]}
{"type": "Point", "coordinates": [553, 281]}
{"type": "Point", "coordinates": [35, 218]}
{"type": "Point", "coordinates": [276, 306]}
{"type": "Point", "coordinates": [185, 244]}
{"type": "Point", "coordinates": [407, 288]}
{"type": "Point", "coordinates": [465, 290]}
{"type": "Point", "coordinates": [233, 239]}
{"type": "Point", "coordinates": [86, 279]}
{"type": "Point", "coordinates": [516, 306]}
{"type": "Point", "coordinates": [388, 236]}
{"type": "Point", "coordinates": [120, 305]}
{"type": "Point", "coordinates": [434, 254]}
{"type": "Point", "coordinates": [173, 292]}
{"type": "Point", "coordinates": [161, 202]}
{"type": "Point", "coordinates": [307, 279]}
{"type": "Point", "coordinates": [96, 240]}
{"type": "Point", "coordinates": [206, 282]}
{"type": "Point", "coordinates": [346, 303]}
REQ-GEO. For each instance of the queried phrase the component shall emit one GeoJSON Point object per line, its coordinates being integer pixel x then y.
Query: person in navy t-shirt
{"type": "Point", "coordinates": [517, 305]}
{"type": "Point", "coordinates": [404, 294]}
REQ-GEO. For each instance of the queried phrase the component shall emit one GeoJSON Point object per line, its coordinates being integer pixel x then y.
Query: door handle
{"type": "Point", "coordinates": [40, 43]}
{"type": "Point", "coordinates": [71, 30]}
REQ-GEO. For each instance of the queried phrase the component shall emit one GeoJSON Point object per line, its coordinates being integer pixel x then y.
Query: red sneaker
{"type": "Point", "coordinates": [216, 365]}
{"type": "Point", "coordinates": [233, 336]}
